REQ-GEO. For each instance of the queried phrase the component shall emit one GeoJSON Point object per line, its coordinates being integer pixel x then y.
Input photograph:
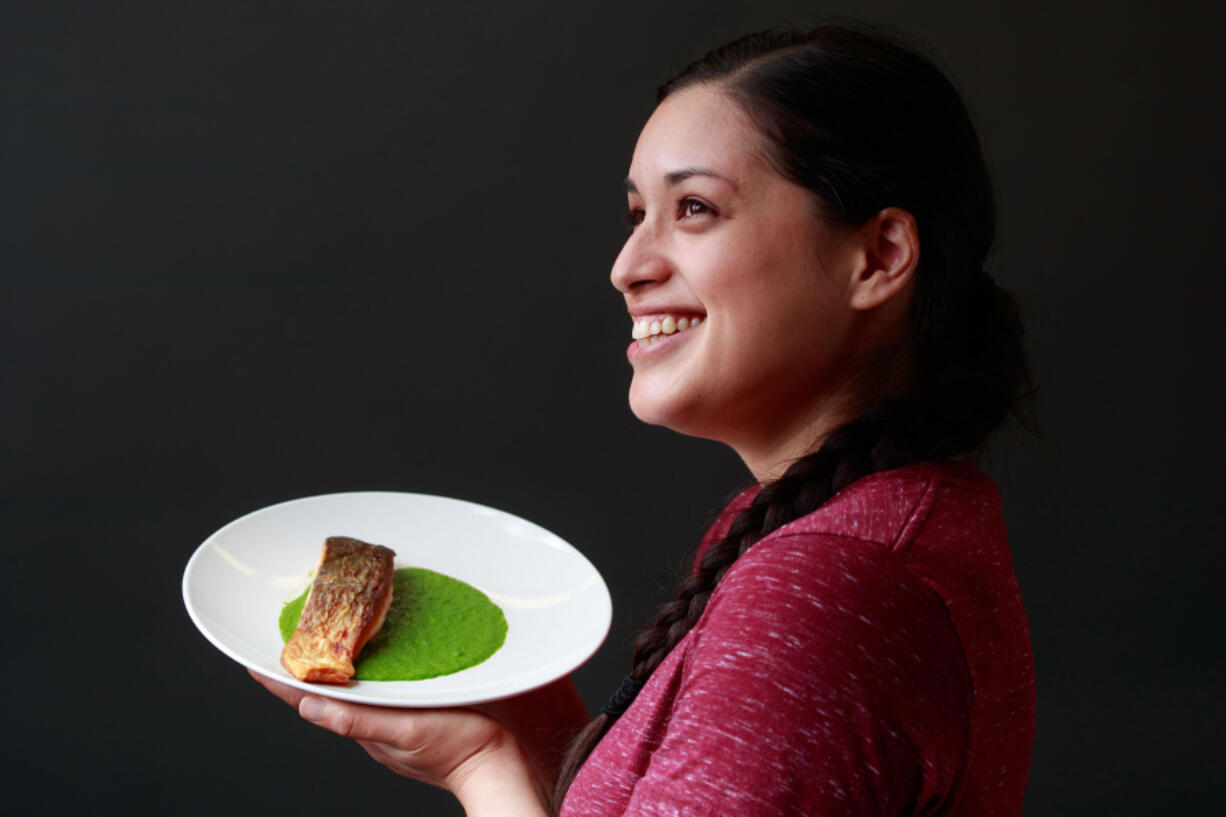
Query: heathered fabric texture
{"type": "Point", "coordinates": [871, 658]}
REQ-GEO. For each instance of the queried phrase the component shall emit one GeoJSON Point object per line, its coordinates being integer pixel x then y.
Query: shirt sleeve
{"type": "Point", "coordinates": [824, 679]}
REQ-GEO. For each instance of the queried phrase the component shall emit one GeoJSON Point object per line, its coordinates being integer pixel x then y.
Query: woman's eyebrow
{"type": "Point", "coordinates": [677, 176]}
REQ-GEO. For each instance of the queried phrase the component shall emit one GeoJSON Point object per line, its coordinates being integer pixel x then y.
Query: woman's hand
{"type": "Point", "coordinates": [469, 753]}
{"type": "Point", "coordinates": [544, 721]}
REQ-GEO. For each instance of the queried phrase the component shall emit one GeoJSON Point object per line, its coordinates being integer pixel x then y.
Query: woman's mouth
{"type": "Point", "coordinates": [651, 329]}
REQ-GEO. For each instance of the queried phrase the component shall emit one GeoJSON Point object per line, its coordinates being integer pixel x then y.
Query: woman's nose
{"type": "Point", "coordinates": [639, 264]}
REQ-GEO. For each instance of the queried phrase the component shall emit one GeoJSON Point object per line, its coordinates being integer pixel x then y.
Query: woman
{"type": "Point", "coordinates": [810, 216]}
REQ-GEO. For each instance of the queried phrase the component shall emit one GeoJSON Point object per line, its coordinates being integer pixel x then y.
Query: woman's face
{"type": "Point", "coordinates": [727, 248]}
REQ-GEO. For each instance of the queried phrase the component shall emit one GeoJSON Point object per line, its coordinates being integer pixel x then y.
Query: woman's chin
{"type": "Point", "coordinates": [650, 407]}
{"type": "Point", "coordinates": [669, 411]}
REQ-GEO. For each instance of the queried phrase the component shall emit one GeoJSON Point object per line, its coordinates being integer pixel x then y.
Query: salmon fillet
{"type": "Point", "coordinates": [348, 601]}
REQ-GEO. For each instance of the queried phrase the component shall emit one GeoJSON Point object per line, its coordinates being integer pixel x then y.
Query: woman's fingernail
{"type": "Point", "coordinates": [311, 708]}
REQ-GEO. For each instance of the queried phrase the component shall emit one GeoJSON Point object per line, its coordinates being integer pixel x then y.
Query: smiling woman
{"type": "Point", "coordinates": [810, 215]}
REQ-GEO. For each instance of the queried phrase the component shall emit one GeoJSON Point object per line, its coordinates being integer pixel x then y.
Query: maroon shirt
{"type": "Point", "coordinates": [871, 658]}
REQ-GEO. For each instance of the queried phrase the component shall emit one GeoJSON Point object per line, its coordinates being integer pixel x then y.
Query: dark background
{"type": "Point", "coordinates": [254, 251]}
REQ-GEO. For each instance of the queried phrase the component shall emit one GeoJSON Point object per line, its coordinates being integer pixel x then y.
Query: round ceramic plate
{"type": "Point", "coordinates": [557, 606]}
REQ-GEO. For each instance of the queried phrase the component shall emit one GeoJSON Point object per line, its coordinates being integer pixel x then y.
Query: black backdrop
{"type": "Point", "coordinates": [256, 251]}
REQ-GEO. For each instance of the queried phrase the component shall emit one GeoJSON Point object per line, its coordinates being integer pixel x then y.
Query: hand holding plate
{"type": "Point", "coordinates": [466, 752]}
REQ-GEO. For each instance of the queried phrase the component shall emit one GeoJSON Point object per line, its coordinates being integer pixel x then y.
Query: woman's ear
{"type": "Point", "coordinates": [890, 245]}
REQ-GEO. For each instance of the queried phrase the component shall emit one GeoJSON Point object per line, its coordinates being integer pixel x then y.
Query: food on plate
{"type": "Point", "coordinates": [345, 606]}
{"type": "Point", "coordinates": [437, 625]}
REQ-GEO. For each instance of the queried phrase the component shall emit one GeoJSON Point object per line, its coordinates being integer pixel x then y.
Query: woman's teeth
{"type": "Point", "coordinates": [648, 330]}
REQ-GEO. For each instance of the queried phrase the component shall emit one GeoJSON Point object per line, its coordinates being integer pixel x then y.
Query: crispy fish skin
{"type": "Point", "coordinates": [348, 601]}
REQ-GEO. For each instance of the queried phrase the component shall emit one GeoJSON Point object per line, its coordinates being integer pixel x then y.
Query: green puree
{"type": "Point", "coordinates": [437, 625]}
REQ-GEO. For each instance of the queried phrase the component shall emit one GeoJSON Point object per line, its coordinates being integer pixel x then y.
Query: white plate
{"type": "Point", "coordinates": [557, 606]}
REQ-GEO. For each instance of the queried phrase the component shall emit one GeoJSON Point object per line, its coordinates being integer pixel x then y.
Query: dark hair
{"type": "Point", "coordinates": [864, 121]}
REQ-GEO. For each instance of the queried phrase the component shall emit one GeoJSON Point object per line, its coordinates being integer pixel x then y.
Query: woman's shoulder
{"type": "Point", "coordinates": [894, 508]}
{"type": "Point", "coordinates": [877, 507]}
{"type": "Point", "coordinates": [829, 595]}
{"type": "Point", "coordinates": [913, 525]}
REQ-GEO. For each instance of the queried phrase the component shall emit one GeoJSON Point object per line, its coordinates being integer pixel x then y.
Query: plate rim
{"type": "Point", "coordinates": [349, 691]}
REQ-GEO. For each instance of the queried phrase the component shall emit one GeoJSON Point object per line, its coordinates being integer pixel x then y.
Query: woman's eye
{"type": "Point", "coordinates": [686, 208]}
{"type": "Point", "coordinates": [694, 207]}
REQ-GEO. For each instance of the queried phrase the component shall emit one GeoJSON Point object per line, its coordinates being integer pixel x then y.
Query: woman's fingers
{"type": "Point", "coordinates": [379, 751]}
{"type": "Point", "coordinates": [406, 729]}
{"type": "Point", "coordinates": [285, 692]}
{"type": "Point", "coordinates": [431, 745]}
{"type": "Point", "coordinates": [364, 723]}
{"type": "Point", "coordinates": [464, 751]}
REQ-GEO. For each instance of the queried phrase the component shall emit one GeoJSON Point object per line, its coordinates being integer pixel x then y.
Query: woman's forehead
{"type": "Point", "coordinates": [698, 127]}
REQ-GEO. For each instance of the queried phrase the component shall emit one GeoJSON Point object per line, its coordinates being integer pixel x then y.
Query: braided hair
{"type": "Point", "coordinates": [861, 119]}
